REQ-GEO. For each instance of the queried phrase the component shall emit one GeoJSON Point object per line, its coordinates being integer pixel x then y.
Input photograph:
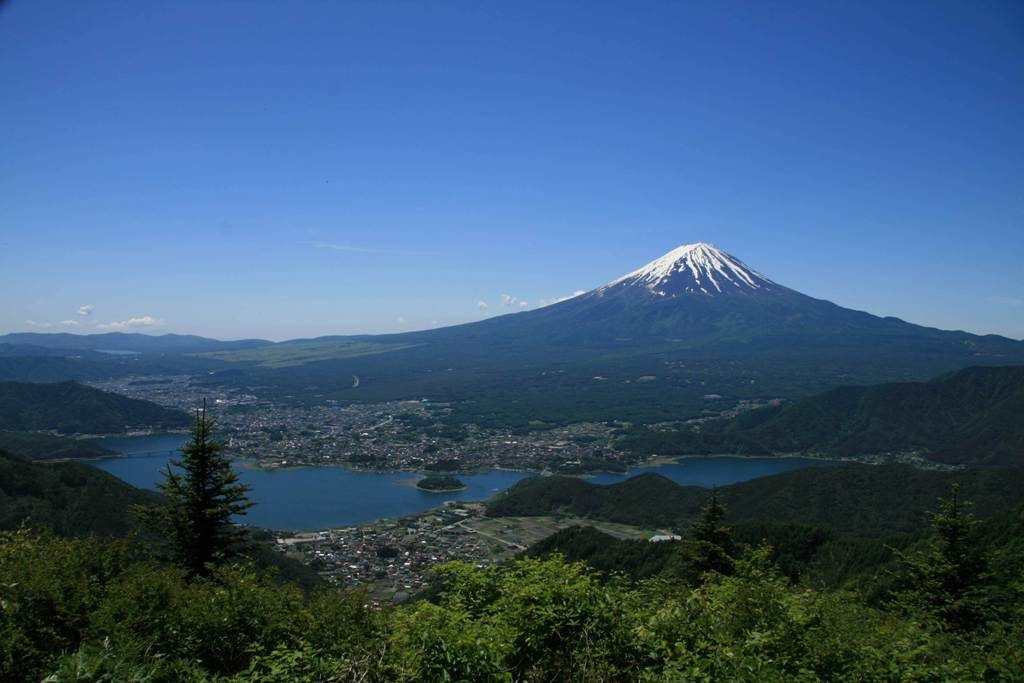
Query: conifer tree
{"type": "Point", "coordinates": [708, 543]}
{"type": "Point", "coordinates": [203, 495]}
{"type": "Point", "coordinates": [947, 576]}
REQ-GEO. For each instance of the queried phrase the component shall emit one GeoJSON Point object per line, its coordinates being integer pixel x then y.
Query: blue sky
{"type": "Point", "coordinates": [294, 169]}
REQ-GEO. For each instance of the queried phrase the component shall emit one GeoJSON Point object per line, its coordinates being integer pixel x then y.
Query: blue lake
{"type": "Point", "coordinates": [312, 498]}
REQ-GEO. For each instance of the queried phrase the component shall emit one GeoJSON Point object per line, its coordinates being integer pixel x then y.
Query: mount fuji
{"type": "Point", "coordinates": [694, 268]}
{"type": "Point", "coordinates": [692, 330]}
{"type": "Point", "coordinates": [699, 295]}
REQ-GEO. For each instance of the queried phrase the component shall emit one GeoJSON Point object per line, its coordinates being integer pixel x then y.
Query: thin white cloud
{"type": "Point", "coordinates": [1012, 301]}
{"type": "Point", "coordinates": [140, 321]}
{"type": "Point", "coordinates": [509, 301]}
{"type": "Point", "coordinates": [33, 323]}
{"type": "Point", "coordinates": [400, 320]}
{"type": "Point", "coordinates": [482, 305]}
{"type": "Point", "coordinates": [69, 323]}
{"type": "Point", "coordinates": [85, 310]}
{"type": "Point", "coordinates": [356, 249]}
{"type": "Point", "coordinates": [559, 299]}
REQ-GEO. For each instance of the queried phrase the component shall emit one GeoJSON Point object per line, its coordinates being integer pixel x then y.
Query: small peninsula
{"type": "Point", "coordinates": [445, 484]}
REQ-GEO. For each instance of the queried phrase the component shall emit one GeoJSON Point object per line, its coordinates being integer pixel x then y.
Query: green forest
{"type": "Point", "coordinates": [969, 417]}
{"type": "Point", "coordinates": [42, 446]}
{"type": "Point", "coordinates": [70, 408]}
{"type": "Point", "coordinates": [94, 609]}
{"type": "Point", "coordinates": [440, 484]}
{"type": "Point", "coordinates": [736, 599]}
{"type": "Point", "coordinates": [866, 500]}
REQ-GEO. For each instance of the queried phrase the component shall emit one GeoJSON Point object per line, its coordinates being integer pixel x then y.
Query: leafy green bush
{"type": "Point", "coordinates": [220, 622]}
{"type": "Point", "coordinates": [97, 610]}
{"type": "Point", "coordinates": [50, 588]}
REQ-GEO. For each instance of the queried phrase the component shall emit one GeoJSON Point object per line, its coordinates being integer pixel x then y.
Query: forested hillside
{"type": "Point", "coordinates": [968, 417]}
{"type": "Point", "coordinates": [813, 556]}
{"type": "Point", "coordinates": [40, 446]}
{"type": "Point", "coordinates": [72, 499]}
{"type": "Point", "coordinates": [70, 407]}
{"type": "Point", "coordinates": [864, 500]}
{"type": "Point", "coordinates": [89, 609]}
{"type": "Point", "coordinates": [78, 500]}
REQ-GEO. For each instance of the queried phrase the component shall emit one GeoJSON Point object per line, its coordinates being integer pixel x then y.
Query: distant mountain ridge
{"type": "Point", "coordinates": [72, 408]}
{"type": "Point", "coordinates": [974, 416]}
{"type": "Point", "coordinates": [126, 342]}
{"type": "Point", "coordinates": [689, 293]}
{"type": "Point", "coordinates": [646, 347]}
{"type": "Point", "coordinates": [698, 295]}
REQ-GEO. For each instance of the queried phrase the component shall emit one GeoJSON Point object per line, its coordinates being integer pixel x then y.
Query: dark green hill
{"type": "Point", "coordinates": [440, 484]}
{"type": "Point", "coordinates": [868, 500]}
{"type": "Point", "coordinates": [72, 499]}
{"type": "Point", "coordinates": [813, 555]}
{"type": "Point", "coordinates": [605, 553]}
{"type": "Point", "coordinates": [864, 500]}
{"type": "Point", "coordinates": [70, 407]}
{"type": "Point", "coordinates": [37, 446]}
{"type": "Point", "coordinates": [973, 416]}
{"type": "Point", "coordinates": [817, 556]}
{"type": "Point", "coordinates": [645, 500]}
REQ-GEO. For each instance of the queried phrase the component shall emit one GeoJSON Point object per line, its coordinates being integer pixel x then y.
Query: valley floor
{"type": "Point", "coordinates": [393, 557]}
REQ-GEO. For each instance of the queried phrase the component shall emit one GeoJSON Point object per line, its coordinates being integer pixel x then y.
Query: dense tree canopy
{"type": "Point", "coordinates": [100, 609]}
{"type": "Point", "coordinates": [70, 407]}
{"type": "Point", "coordinates": [966, 417]}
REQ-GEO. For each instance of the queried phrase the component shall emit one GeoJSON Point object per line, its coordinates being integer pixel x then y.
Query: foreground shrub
{"type": "Point", "coordinates": [50, 588]}
{"type": "Point", "coordinates": [88, 610]}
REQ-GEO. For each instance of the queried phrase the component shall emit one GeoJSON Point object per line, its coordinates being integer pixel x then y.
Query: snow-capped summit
{"type": "Point", "coordinates": [700, 269]}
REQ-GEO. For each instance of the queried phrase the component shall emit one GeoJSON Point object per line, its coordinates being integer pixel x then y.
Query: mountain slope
{"type": "Point", "coordinates": [865, 500]}
{"type": "Point", "coordinates": [646, 347]}
{"type": "Point", "coordinates": [973, 416]}
{"type": "Point", "coordinates": [696, 295]}
{"type": "Point", "coordinates": [70, 407]}
{"type": "Point", "coordinates": [72, 499]}
{"type": "Point", "coordinates": [815, 556]}
{"type": "Point", "coordinates": [40, 446]}
{"type": "Point", "coordinates": [694, 268]}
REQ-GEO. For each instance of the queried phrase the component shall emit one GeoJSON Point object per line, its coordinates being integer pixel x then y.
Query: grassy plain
{"type": "Point", "coordinates": [299, 353]}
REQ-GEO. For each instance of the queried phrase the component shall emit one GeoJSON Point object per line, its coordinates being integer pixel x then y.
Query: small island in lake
{"type": "Point", "coordinates": [440, 484]}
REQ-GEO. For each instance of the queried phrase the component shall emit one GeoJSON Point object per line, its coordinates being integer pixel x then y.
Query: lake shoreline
{"type": "Point", "coordinates": [336, 495]}
{"type": "Point", "coordinates": [657, 460]}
